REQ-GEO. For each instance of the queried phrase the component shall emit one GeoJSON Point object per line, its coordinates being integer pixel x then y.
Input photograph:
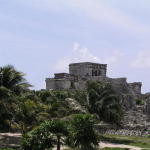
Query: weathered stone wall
{"type": "Point", "coordinates": [62, 75]}
{"type": "Point", "coordinates": [120, 85]}
{"type": "Point", "coordinates": [50, 83]}
{"type": "Point", "coordinates": [80, 85]}
{"type": "Point", "coordinates": [125, 132]}
{"type": "Point", "coordinates": [88, 69]}
{"type": "Point", "coordinates": [57, 84]}
{"type": "Point", "coordinates": [136, 87]}
{"type": "Point", "coordinates": [136, 118]}
{"type": "Point", "coordinates": [127, 101]}
{"type": "Point", "coordinates": [147, 104]}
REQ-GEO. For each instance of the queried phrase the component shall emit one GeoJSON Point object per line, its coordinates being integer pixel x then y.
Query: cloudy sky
{"type": "Point", "coordinates": [40, 37]}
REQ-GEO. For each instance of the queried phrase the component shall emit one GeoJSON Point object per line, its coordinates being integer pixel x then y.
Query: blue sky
{"type": "Point", "coordinates": [40, 37]}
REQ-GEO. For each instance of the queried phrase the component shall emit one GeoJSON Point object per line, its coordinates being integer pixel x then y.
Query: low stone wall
{"type": "Point", "coordinates": [58, 84]}
{"type": "Point", "coordinates": [125, 132]}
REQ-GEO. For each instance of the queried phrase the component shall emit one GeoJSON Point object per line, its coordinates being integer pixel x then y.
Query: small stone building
{"type": "Point", "coordinates": [87, 69]}
{"type": "Point", "coordinates": [80, 73]}
{"type": "Point", "coordinates": [136, 86]}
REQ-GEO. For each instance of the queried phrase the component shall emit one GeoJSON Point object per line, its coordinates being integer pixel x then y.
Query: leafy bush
{"type": "Point", "coordinates": [45, 136]}
{"type": "Point", "coordinates": [139, 102]}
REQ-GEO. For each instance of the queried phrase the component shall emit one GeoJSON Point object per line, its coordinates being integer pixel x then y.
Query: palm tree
{"type": "Point", "coordinates": [82, 133]}
{"type": "Point", "coordinates": [59, 129]}
{"type": "Point", "coordinates": [12, 79]}
{"type": "Point", "coordinates": [4, 92]}
{"type": "Point", "coordinates": [5, 116]}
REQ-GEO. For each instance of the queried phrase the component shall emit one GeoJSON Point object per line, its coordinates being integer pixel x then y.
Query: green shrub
{"type": "Point", "coordinates": [139, 102]}
{"type": "Point", "coordinates": [45, 136]}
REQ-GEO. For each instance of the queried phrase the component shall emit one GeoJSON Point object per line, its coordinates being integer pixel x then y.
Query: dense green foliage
{"type": "Point", "coordinates": [79, 134]}
{"type": "Point", "coordinates": [25, 110]}
{"type": "Point", "coordinates": [12, 84]}
{"type": "Point", "coordinates": [104, 102]}
{"type": "Point", "coordinates": [139, 101]}
{"type": "Point", "coordinates": [45, 136]}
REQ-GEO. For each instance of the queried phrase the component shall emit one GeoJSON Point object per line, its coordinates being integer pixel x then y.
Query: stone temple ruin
{"type": "Point", "coordinates": [137, 118]}
{"type": "Point", "coordinates": [80, 73]}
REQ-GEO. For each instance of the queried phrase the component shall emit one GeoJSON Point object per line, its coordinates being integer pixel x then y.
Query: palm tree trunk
{"type": "Point", "coordinates": [58, 143]}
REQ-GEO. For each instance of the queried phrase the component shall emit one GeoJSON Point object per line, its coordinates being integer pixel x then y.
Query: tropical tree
{"type": "Point", "coordinates": [12, 84]}
{"type": "Point", "coordinates": [4, 92]}
{"type": "Point", "coordinates": [104, 101]}
{"type": "Point", "coordinates": [59, 129]}
{"type": "Point", "coordinates": [38, 139]}
{"type": "Point", "coordinates": [82, 134]}
{"type": "Point", "coordinates": [26, 114]}
{"type": "Point", "coordinates": [5, 116]}
{"type": "Point", "coordinates": [47, 135]}
{"type": "Point", "coordinates": [12, 79]}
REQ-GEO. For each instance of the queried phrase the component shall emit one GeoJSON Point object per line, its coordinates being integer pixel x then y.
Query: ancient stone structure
{"type": "Point", "coordinates": [136, 86]}
{"type": "Point", "coordinates": [87, 69]}
{"type": "Point", "coordinates": [147, 103]}
{"type": "Point", "coordinates": [136, 119]}
{"type": "Point", "coordinates": [80, 73]}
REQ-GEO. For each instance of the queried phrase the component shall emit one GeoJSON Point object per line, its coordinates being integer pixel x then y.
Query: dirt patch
{"type": "Point", "coordinates": [112, 145]}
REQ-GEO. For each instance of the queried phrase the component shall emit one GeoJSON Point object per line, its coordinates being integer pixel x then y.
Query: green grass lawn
{"type": "Point", "coordinates": [143, 142]}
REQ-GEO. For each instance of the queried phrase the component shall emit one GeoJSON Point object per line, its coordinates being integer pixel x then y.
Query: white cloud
{"type": "Point", "coordinates": [142, 60]}
{"type": "Point", "coordinates": [103, 12]}
{"type": "Point", "coordinates": [83, 54]}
